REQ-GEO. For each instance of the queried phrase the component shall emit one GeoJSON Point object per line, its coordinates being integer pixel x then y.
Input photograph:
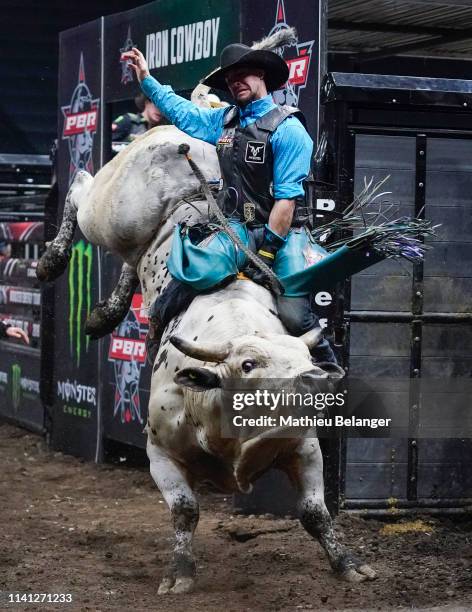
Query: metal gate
{"type": "Point", "coordinates": [407, 321]}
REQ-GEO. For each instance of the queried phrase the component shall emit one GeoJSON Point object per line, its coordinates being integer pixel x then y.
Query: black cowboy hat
{"type": "Point", "coordinates": [235, 55]}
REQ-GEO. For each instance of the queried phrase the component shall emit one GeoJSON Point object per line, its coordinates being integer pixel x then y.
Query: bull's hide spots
{"type": "Point", "coordinates": [162, 359]}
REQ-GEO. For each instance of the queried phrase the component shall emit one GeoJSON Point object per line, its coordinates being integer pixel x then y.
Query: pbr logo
{"type": "Point", "coordinates": [127, 74]}
{"type": "Point", "coordinates": [128, 354]}
{"type": "Point", "coordinates": [80, 125]}
{"type": "Point", "coordinates": [297, 57]}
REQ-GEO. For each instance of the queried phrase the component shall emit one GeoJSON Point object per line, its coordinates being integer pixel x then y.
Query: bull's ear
{"type": "Point", "coordinates": [333, 369]}
{"type": "Point", "coordinates": [197, 379]}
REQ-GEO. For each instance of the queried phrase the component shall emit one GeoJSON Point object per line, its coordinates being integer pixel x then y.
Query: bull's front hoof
{"type": "Point", "coordinates": [52, 263]}
{"type": "Point", "coordinates": [353, 570]}
{"type": "Point", "coordinates": [165, 586]}
{"type": "Point", "coordinates": [102, 321]}
{"type": "Point", "coordinates": [176, 587]}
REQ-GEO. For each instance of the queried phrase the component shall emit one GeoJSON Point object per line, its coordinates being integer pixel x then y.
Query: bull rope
{"type": "Point", "coordinates": [275, 284]}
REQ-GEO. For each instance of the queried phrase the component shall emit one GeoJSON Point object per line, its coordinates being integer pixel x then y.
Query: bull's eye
{"type": "Point", "coordinates": [248, 365]}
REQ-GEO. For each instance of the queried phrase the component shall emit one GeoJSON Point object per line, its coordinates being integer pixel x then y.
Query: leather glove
{"type": "Point", "coordinates": [271, 243]}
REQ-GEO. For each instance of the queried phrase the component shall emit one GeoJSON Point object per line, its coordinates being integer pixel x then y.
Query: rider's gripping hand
{"type": "Point", "coordinates": [271, 243]}
{"type": "Point", "coordinates": [137, 60]}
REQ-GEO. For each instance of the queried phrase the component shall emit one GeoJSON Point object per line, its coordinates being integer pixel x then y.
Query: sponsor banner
{"type": "Point", "coordinates": [77, 393]}
{"type": "Point", "coordinates": [181, 41]}
{"type": "Point", "coordinates": [79, 124]}
{"type": "Point", "coordinates": [20, 387]}
{"type": "Point", "coordinates": [127, 356]}
{"type": "Point", "coordinates": [79, 103]}
{"type": "Point", "coordinates": [127, 372]}
{"type": "Point", "coordinates": [76, 291]}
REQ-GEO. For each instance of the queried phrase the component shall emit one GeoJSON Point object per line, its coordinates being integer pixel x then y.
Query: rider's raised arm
{"type": "Point", "coordinates": [203, 123]}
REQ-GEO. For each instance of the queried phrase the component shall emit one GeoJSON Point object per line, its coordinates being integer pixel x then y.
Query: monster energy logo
{"type": "Point", "coordinates": [80, 297]}
{"type": "Point", "coordinates": [15, 385]}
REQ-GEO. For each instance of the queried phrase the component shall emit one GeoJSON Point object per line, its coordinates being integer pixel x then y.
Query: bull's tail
{"type": "Point", "coordinates": [54, 260]}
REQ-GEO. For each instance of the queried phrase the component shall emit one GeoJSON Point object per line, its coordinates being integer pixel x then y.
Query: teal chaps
{"type": "Point", "coordinates": [204, 257]}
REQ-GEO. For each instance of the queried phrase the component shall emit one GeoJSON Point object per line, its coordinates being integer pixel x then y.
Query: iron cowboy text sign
{"type": "Point", "coordinates": [184, 43]}
{"type": "Point", "coordinates": [181, 41]}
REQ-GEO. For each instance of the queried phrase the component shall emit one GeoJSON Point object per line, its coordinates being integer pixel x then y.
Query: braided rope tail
{"type": "Point", "coordinates": [275, 284]}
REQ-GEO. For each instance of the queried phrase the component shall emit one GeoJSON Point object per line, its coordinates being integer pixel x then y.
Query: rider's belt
{"type": "Point", "coordinates": [302, 216]}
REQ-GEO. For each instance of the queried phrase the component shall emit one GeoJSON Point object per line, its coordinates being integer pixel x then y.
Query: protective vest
{"type": "Point", "coordinates": [247, 165]}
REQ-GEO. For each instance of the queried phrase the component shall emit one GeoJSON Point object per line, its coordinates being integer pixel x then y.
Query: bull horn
{"type": "Point", "coordinates": [312, 337]}
{"type": "Point", "coordinates": [210, 351]}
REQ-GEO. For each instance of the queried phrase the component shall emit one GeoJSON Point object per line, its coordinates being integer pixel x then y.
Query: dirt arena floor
{"type": "Point", "coordinates": [102, 533]}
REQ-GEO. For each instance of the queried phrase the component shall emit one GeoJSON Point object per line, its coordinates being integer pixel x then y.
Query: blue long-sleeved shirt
{"type": "Point", "coordinates": [291, 144]}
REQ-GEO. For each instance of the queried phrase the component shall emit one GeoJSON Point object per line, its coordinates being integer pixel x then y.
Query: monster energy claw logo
{"type": "Point", "coordinates": [80, 297]}
{"type": "Point", "coordinates": [15, 385]}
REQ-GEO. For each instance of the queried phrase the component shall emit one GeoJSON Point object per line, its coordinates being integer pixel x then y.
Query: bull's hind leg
{"type": "Point", "coordinates": [108, 314]}
{"type": "Point", "coordinates": [183, 505]}
{"type": "Point", "coordinates": [306, 471]}
{"type": "Point", "coordinates": [54, 260]}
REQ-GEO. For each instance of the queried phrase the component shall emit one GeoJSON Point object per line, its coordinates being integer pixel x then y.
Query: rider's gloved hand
{"type": "Point", "coordinates": [271, 243]}
{"type": "Point", "coordinates": [137, 61]}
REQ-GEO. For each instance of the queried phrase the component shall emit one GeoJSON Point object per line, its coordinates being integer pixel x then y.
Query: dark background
{"type": "Point", "coordinates": [29, 47]}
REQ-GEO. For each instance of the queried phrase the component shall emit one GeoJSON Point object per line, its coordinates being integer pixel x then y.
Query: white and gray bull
{"type": "Point", "coordinates": [231, 333]}
{"type": "Point", "coordinates": [125, 206]}
{"type": "Point", "coordinates": [130, 208]}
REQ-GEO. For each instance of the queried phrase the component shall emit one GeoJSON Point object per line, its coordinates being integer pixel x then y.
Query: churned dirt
{"type": "Point", "coordinates": [102, 533]}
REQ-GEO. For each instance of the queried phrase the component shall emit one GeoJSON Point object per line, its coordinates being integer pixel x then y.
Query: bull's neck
{"type": "Point", "coordinates": [242, 308]}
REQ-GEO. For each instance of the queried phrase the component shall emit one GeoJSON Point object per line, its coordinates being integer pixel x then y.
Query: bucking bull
{"type": "Point", "coordinates": [130, 208]}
